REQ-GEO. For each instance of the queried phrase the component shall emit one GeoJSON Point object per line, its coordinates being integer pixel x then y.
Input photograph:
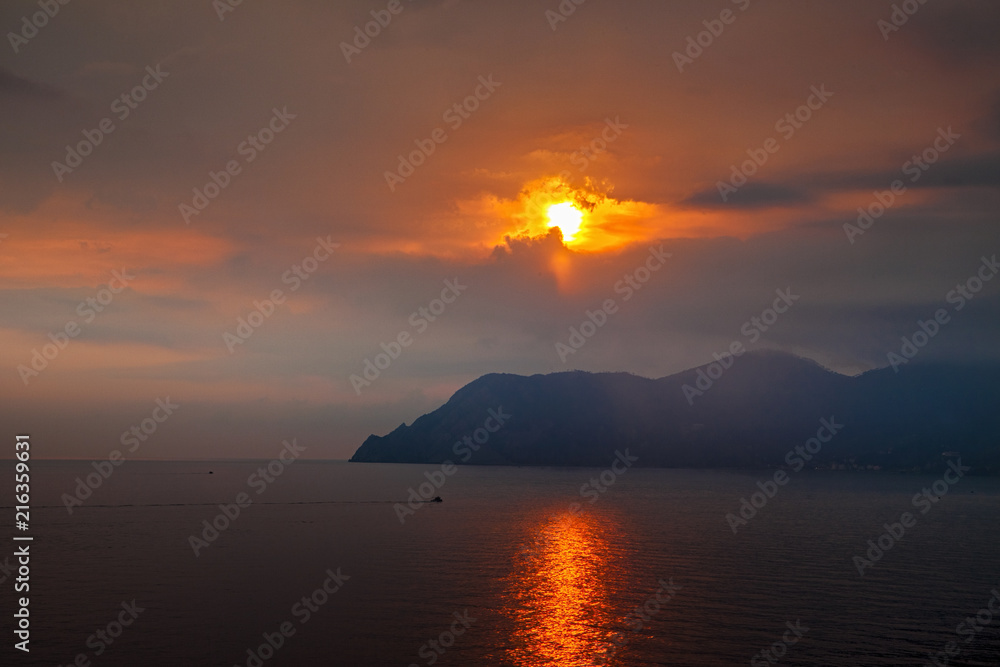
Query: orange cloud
{"type": "Point", "coordinates": [69, 249]}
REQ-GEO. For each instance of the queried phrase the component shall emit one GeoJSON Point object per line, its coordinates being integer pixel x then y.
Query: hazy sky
{"type": "Point", "coordinates": [597, 110]}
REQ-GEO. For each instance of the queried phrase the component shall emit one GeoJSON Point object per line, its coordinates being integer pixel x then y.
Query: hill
{"type": "Point", "coordinates": [750, 416]}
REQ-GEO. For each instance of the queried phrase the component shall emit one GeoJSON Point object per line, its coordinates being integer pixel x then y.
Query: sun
{"type": "Point", "coordinates": [567, 218]}
{"type": "Point", "coordinates": [589, 219]}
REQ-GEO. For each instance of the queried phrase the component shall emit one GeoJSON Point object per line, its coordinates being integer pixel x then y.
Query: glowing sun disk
{"type": "Point", "coordinates": [567, 218]}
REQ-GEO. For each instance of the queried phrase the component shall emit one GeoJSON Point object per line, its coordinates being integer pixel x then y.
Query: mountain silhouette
{"type": "Point", "coordinates": [749, 415]}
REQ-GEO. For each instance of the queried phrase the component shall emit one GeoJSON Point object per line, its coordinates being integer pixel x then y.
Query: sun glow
{"type": "Point", "coordinates": [589, 218]}
{"type": "Point", "coordinates": [567, 217]}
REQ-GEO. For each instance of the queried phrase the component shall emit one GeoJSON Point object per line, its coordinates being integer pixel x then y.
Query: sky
{"type": "Point", "coordinates": [238, 208]}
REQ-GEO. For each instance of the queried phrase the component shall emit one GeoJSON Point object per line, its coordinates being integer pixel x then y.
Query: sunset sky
{"type": "Point", "coordinates": [595, 112]}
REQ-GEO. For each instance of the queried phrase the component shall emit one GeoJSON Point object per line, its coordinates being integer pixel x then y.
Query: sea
{"type": "Point", "coordinates": [336, 563]}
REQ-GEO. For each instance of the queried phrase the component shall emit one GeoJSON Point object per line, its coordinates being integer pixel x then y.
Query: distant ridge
{"type": "Point", "coordinates": [765, 404]}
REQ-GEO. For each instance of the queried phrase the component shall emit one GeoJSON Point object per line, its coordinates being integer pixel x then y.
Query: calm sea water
{"type": "Point", "coordinates": [532, 584]}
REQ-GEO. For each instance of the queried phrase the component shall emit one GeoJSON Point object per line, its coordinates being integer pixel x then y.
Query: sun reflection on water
{"type": "Point", "coordinates": [558, 597]}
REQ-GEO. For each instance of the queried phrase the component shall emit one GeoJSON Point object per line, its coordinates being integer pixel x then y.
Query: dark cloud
{"type": "Point", "coordinates": [12, 84]}
{"type": "Point", "coordinates": [973, 171]}
{"type": "Point", "coordinates": [969, 171]}
{"type": "Point", "coordinates": [751, 196]}
{"type": "Point", "coordinates": [988, 125]}
{"type": "Point", "coordinates": [961, 32]}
